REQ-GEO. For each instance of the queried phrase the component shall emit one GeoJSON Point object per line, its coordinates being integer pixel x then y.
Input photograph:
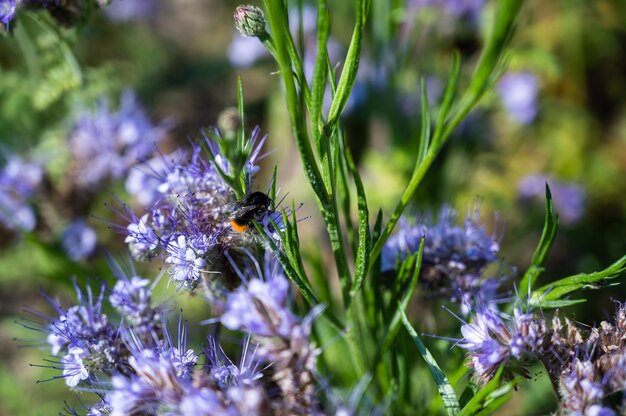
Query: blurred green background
{"type": "Point", "coordinates": [557, 114]}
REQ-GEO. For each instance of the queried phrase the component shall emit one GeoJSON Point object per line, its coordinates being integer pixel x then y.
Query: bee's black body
{"type": "Point", "coordinates": [249, 209]}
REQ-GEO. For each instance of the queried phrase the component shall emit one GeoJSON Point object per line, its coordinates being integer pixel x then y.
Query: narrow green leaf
{"type": "Point", "coordinates": [241, 132]}
{"type": "Point", "coordinates": [555, 304]}
{"type": "Point", "coordinates": [556, 290]}
{"type": "Point", "coordinates": [448, 99]}
{"type": "Point", "coordinates": [272, 190]}
{"type": "Point", "coordinates": [500, 35]}
{"type": "Point", "coordinates": [394, 326]}
{"type": "Point", "coordinates": [364, 238]}
{"type": "Point", "coordinates": [320, 71]}
{"type": "Point", "coordinates": [351, 66]}
{"type": "Point", "coordinates": [448, 395]}
{"type": "Point", "coordinates": [490, 397]}
{"type": "Point", "coordinates": [425, 128]}
{"type": "Point", "coordinates": [541, 252]}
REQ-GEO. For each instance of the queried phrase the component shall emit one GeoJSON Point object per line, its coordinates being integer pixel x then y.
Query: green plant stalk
{"type": "Point", "coordinates": [326, 200]}
{"type": "Point", "coordinates": [418, 174]}
{"type": "Point", "coordinates": [276, 13]}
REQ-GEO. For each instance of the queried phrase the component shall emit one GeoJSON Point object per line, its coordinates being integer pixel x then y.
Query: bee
{"type": "Point", "coordinates": [252, 208]}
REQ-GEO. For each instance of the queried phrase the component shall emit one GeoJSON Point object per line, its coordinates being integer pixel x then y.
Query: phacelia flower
{"type": "Point", "coordinates": [7, 11]}
{"type": "Point", "coordinates": [454, 257]}
{"type": "Point", "coordinates": [84, 335]}
{"type": "Point", "coordinates": [132, 297]}
{"type": "Point", "coordinates": [259, 307]}
{"type": "Point", "coordinates": [19, 181]}
{"type": "Point", "coordinates": [79, 240]}
{"type": "Point", "coordinates": [106, 144]}
{"type": "Point", "coordinates": [189, 225]}
{"type": "Point", "coordinates": [518, 92]}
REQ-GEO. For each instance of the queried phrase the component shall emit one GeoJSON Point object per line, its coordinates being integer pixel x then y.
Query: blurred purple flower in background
{"type": "Point", "coordinates": [18, 182]}
{"type": "Point", "coordinates": [452, 8]}
{"type": "Point", "coordinates": [518, 92]}
{"type": "Point", "coordinates": [106, 144]}
{"type": "Point", "coordinates": [568, 197]}
{"type": "Point", "coordinates": [244, 51]}
{"type": "Point", "coordinates": [7, 11]}
{"type": "Point", "coordinates": [79, 240]}
{"type": "Point", "coordinates": [128, 10]}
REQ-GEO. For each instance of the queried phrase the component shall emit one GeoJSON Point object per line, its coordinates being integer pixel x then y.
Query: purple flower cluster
{"type": "Point", "coordinates": [18, 182]}
{"type": "Point", "coordinates": [106, 144]}
{"type": "Point", "coordinates": [587, 368]}
{"type": "Point", "coordinates": [188, 224]}
{"type": "Point", "coordinates": [137, 366]}
{"type": "Point", "coordinates": [259, 307]}
{"type": "Point", "coordinates": [453, 260]}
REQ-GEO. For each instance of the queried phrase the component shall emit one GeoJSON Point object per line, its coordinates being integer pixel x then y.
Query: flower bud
{"type": "Point", "coordinates": [249, 20]}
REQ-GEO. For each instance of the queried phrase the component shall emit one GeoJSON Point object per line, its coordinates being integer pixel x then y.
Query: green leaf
{"type": "Point", "coordinates": [541, 252]}
{"type": "Point", "coordinates": [272, 192]}
{"type": "Point", "coordinates": [506, 12]}
{"type": "Point", "coordinates": [320, 71]}
{"type": "Point", "coordinates": [448, 99]}
{"type": "Point", "coordinates": [351, 66]}
{"type": "Point", "coordinates": [448, 395]}
{"type": "Point", "coordinates": [411, 266]}
{"type": "Point", "coordinates": [596, 280]}
{"type": "Point", "coordinates": [425, 128]}
{"type": "Point", "coordinates": [555, 304]}
{"type": "Point", "coordinates": [491, 396]}
{"type": "Point", "coordinates": [363, 249]}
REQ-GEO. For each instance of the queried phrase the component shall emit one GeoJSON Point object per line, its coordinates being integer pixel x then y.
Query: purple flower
{"type": "Point", "coordinates": [568, 197]}
{"type": "Point", "coordinates": [132, 298]}
{"type": "Point", "coordinates": [226, 373]}
{"type": "Point", "coordinates": [7, 11]}
{"type": "Point", "coordinates": [582, 390]}
{"type": "Point", "coordinates": [79, 240]}
{"type": "Point", "coordinates": [260, 307]}
{"type": "Point", "coordinates": [454, 256]}
{"type": "Point", "coordinates": [144, 180]}
{"type": "Point", "coordinates": [518, 92]}
{"type": "Point", "coordinates": [244, 51]}
{"type": "Point", "coordinates": [493, 339]}
{"type": "Point", "coordinates": [128, 10]}
{"type": "Point", "coordinates": [452, 8]}
{"type": "Point", "coordinates": [74, 369]}
{"type": "Point", "coordinates": [106, 144]}
{"type": "Point", "coordinates": [18, 182]}
{"type": "Point", "coordinates": [186, 259]}
{"type": "Point", "coordinates": [84, 336]}
{"type": "Point", "coordinates": [147, 234]}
